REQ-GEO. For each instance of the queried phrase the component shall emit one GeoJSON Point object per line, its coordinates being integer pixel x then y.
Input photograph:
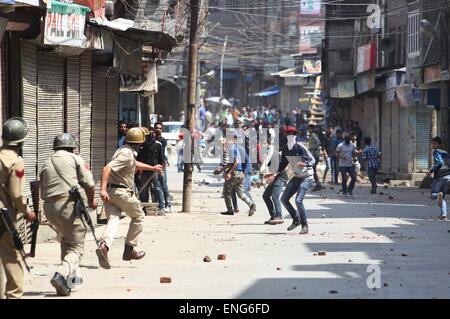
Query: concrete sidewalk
{"type": "Point", "coordinates": [395, 230]}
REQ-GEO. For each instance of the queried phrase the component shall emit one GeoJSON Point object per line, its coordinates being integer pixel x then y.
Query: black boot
{"type": "Point", "coordinates": [129, 253]}
{"type": "Point", "coordinates": [60, 285]}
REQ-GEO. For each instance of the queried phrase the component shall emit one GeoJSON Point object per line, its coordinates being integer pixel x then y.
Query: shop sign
{"type": "Point", "coordinates": [64, 25]}
{"type": "Point", "coordinates": [310, 7]}
{"type": "Point", "coordinates": [432, 74]}
{"type": "Point", "coordinates": [365, 60]}
{"type": "Point", "coordinates": [344, 89]}
{"type": "Point", "coordinates": [365, 83]}
{"type": "Point", "coordinates": [312, 66]}
{"type": "Point", "coordinates": [147, 81]}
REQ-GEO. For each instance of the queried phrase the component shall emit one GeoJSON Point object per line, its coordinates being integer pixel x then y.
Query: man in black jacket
{"type": "Point", "coordinates": [302, 162]}
{"type": "Point", "coordinates": [152, 153]}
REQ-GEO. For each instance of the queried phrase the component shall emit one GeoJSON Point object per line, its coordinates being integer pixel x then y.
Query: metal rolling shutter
{"type": "Point", "coordinates": [29, 106]}
{"type": "Point", "coordinates": [98, 122]}
{"type": "Point", "coordinates": [3, 82]}
{"type": "Point", "coordinates": [85, 106]}
{"type": "Point", "coordinates": [50, 103]}
{"type": "Point", "coordinates": [112, 115]}
{"type": "Point", "coordinates": [73, 97]}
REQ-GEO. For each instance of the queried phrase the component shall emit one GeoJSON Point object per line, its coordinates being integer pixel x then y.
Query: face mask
{"type": "Point", "coordinates": [291, 139]}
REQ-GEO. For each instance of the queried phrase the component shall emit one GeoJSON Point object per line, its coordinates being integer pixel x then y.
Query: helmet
{"type": "Point", "coordinates": [135, 135]}
{"type": "Point", "coordinates": [64, 140]}
{"type": "Point", "coordinates": [146, 131]}
{"type": "Point", "coordinates": [15, 131]}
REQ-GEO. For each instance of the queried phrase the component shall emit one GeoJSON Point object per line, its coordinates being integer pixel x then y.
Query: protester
{"type": "Point", "coordinates": [276, 183]}
{"type": "Point", "coordinates": [234, 177]}
{"type": "Point", "coordinates": [327, 153]}
{"type": "Point", "coordinates": [345, 152]}
{"type": "Point", "coordinates": [338, 139]}
{"type": "Point", "coordinates": [372, 155]}
{"type": "Point", "coordinates": [441, 171]}
{"type": "Point", "coordinates": [315, 148]}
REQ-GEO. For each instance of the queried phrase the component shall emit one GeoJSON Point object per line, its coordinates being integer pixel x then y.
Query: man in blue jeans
{"type": "Point", "coordinates": [296, 155]}
{"type": "Point", "coordinates": [334, 160]}
{"type": "Point", "coordinates": [441, 171]}
{"type": "Point", "coordinates": [372, 155]}
{"type": "Point", "coordinates": [345, 152]}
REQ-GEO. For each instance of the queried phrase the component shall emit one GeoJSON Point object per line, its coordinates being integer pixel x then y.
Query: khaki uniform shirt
{"type": "Point", "coordinates": [12, 181]}
{"type": "Point", "coordinates": [123, 166]}
{"type": "Point", "coordinates": [69, 165]}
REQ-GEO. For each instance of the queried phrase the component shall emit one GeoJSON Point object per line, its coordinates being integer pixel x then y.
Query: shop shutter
{"type": "Point", "coordinates": [29, 105]}
{"type": "Point", "coordinates": [423, 136]}
{"type": "Point", "coordinates": [50, 103]}
{"type": "Point", "coordinates": [112, 115]}
{"type": "Point", "coordinates": [98, 122]}
{"type": "Point", "coordinates": [4, 83]}
{"type": "Point", "coordinates": [85, 106]}
{"type": "Point", "coordinates": [73, 97]}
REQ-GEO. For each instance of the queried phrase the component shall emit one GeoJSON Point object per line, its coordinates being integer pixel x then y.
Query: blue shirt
{"type": "Point", "coordinates": [439, 157]}
{"type": "Point", "coordinates": [238, 154]}
{"type": "Point", "coordinates": [371, 154]}
{"type": "Point", "coordinates": [121, 141]}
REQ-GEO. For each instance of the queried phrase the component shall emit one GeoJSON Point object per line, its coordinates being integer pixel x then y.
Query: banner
{"type": "Point", "coordinates": [64, 25]}
{"type": "Point", "coordinates": [147, 81]}
{"type": "Point", "coordinates": [365, 60]}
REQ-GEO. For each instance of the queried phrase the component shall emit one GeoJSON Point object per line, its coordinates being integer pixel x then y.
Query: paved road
{"type": "Point", "coordinates": [400, 235]}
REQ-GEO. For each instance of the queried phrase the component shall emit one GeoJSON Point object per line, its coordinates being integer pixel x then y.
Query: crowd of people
{"type": "Point", "coordinates": [301, 147]}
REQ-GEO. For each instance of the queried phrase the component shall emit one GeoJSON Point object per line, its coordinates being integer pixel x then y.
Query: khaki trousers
{"type": "Point", "coordinates": [12, 265]}
{"type": "Point", "coordinates": [72, 232]}
{"type": "Point", "coordinates": [123, 200]}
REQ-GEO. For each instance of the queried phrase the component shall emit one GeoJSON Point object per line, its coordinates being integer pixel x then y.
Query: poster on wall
{"type": "Point", "coordinates": [312, 66]}
{"type": "Point", "coordinates": [64, 25]}
{"type": "Point", "coordinates": [310, 38]}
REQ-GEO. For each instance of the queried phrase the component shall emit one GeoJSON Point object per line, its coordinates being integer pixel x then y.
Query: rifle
{"type": "Point", "coordinates": [34, 186]}
{"type": "Point", "coordinates": [18, 244]}
{"type": "Point", "coordinates": [81, 210]}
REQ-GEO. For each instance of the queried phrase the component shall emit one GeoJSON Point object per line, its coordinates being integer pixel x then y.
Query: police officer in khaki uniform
{"type": "Point", "coordinates": [60, 173]}
{"type": "Point", "coordinates": [117, 194]}
{"type": "Point", "coordinates": [12, 183]}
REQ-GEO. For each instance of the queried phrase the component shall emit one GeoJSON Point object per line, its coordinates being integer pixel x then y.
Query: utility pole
{"type": "Point", "coordinates": [221, 67]}
{"type": "Point", "coordinates": [191, 105]}
{"type": "Point", "coordinates": [445, 118]}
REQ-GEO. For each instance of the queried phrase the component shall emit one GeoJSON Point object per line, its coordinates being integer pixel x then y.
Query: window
{"type": "Point", "coordinates": [414, 29]}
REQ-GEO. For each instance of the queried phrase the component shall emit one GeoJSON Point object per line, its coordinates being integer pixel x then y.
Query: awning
{"type": "Point", "coordinates": [271, 91]}
{"type": "Point", "coordinates": [160, 40]}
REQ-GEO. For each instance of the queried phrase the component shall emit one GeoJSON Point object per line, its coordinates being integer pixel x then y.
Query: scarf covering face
{"type": "Point", "coordinates": [291, 140]}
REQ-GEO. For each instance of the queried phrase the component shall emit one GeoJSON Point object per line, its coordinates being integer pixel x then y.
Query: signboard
{"type": "Point", "coordinates": [310, 38]}
{"type": "Point", "coordinates": [64, 25]}
{"type": "Point", "coordinates": [365, 83]}
{"type": "Point", "coordinates": [344, 89]}
{"type": "Point", "coordinates": [432, 74]}
{"type": "Point", "coordinates": [310, 7]}
{"type": "Point", "coordinates": [312, 66]}
{"type": "Point", "coordinates": [127, 56]}
{"type": "Point", "coordinates": [365, 60]}
{"type": "Point", "coordinates": [147, 81]}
